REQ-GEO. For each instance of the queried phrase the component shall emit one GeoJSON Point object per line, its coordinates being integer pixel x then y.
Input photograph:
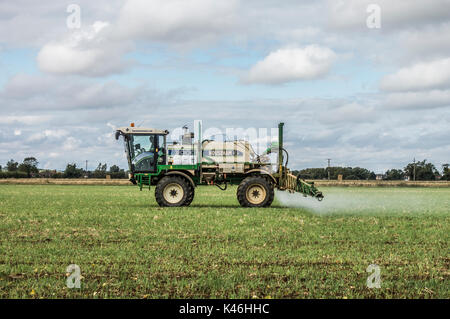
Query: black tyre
{"type": "Point", "coordinates": [172, 191]}
{"type": "Point", "coordinates": [255, 191]}
{"type": "Point", "coordinates": [190, 196]}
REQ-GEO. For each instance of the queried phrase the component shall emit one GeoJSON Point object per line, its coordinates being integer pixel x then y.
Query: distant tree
{"type": "Point", "coordinates": [114, 169]}
{"type": "Point", "coordinates": [423, 171]}
{"type": "Point", "coordinates": [29, 165]}
{"type": "Point", "coordinates": [100, 171]}
{"type": "Point", "coordinates": [360, 173]}
{"type": "Point", "coordinates": [47, 173]}
{"type": "Point", "coordinates": [349, 173]}
{"type": "Point", "coordinates": [445, 172]}
{"type": "Point", "coordinates": [12, 166]}
{"type": "Point", "coordinates": [72, 171]}
{"type": "Point", "coordinates": [395, 175]}
{"type": "Point", "coordinates": [119, 174]}
{"type": "Point", "coordinates": [312, 173]}
{"type": "Point", "coordinates": [102, 167]}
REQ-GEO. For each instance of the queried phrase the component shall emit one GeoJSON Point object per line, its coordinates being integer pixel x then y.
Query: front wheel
{"type": "Point", "coordinates": [173, 191]}
{"type": "Point", "coordinates": [255, 191]}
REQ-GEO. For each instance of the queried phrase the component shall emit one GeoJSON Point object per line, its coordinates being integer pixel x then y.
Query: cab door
{"type": "Point", "coordinates": [143, 153]}
{"type": "Point", "coordinates": [161, 150]}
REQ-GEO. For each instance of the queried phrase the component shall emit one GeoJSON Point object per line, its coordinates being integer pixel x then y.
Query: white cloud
{"type": "Point", "coordinates": [305, 34]}
{"type": "Point", "coordinates": [112, 126]}
{"type": "Point", "coordinates": [351, 112]}
{"type": "Point", "coordinates": [24, 119]}
{"type": "Point", "coordinates": [291, 64]}
{"type": "Point", "coordinates": [418, 100]}
{"type": "Point", "coordinates": [39, 136]}
{"type": "Point", "coordinates": [432, 41]}
{"type": "Point", "coordinates": [421, 76]}
{"type": "Point", "coordinates": [177, 20]}
{"type": "Point", "coordinates": [394, 14]}
{"type": "Point", "coordinates": [87, 51]}
{"type": "Point", "coordinates": [71, 144]}
{"type": "Point", "coordinates": [54, 155]}
{"type": "Point", "coordinates": [25, 23]}
{"type": "Point", "coordinates": [40, 93]}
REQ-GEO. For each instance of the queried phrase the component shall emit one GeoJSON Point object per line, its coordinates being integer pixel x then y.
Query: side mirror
{"type": "Point", "coordinates": [117, 135]}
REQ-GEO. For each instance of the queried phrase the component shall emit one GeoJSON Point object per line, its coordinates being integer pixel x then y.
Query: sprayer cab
{"type": "Point", "coordinates": [145, 148]}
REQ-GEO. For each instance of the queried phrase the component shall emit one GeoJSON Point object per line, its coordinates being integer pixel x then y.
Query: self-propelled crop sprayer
{"type": "Point", "coordinates": [177, 169]}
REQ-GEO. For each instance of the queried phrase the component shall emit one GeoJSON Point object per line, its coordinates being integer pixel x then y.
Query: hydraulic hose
{"type": "Point", "coordinates": [222, 189]}
{"type": "Point", "coordinates": [287, 157]}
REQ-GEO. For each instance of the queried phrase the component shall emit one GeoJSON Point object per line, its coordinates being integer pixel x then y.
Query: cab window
{"type": "Point", "coordinates": [142, 152]}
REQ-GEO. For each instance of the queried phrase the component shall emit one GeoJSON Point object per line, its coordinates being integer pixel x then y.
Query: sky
{"type": "Point", "coordinates": [364, 83]}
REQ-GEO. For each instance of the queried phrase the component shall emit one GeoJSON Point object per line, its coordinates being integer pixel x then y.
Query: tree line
{"type": "Point", "coordinates": [29, 169]}
{"type": "Point", "coordinates": [419, 171]}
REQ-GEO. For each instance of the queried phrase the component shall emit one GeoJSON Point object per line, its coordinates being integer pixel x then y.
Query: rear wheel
{"type": "Point", "coordinates": [255, 191]}
{"type": "Point", "coordinates": [172, 191]}
{"type": "Point", "coordinates": [190, 196]}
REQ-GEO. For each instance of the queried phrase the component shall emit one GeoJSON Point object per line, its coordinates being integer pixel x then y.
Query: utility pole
{"type": "Point", "coordinates": [414, 170]}
{"type": "Point", "coordinates": [329, 159]}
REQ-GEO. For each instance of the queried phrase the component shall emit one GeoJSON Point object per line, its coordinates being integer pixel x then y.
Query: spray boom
{"type": "Point", "coordinates": [288, 181]}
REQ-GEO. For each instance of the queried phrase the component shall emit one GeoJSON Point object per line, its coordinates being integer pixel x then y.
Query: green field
{"type": "Point", "coordinates": [128, 247]}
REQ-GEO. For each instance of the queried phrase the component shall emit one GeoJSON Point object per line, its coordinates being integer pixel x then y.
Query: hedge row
{"type": "Point", "coordinates": [16, 174]}
{"type": "Point", "coordinates": [19, 174]}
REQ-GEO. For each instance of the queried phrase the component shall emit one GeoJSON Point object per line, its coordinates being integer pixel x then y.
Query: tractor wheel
{"type": "Point", "coordinates": [255, 191]}
{"type": "Point", "coordinates": [190, 197]}
{"type": "Point", "coordinates": [172, 191]}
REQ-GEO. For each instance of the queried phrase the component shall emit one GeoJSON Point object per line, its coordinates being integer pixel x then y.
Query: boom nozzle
{"type": "Point", "coordinates": [319, 196]}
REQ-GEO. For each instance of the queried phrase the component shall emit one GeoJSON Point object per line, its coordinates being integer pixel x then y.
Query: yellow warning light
{"type": "Point", "coordinates": [132, 124]}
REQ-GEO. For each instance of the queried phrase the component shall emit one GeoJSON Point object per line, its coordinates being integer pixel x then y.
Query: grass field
{"type": "Point", "coordinates": [128, 247]}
